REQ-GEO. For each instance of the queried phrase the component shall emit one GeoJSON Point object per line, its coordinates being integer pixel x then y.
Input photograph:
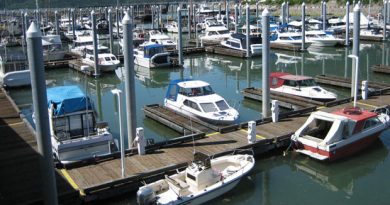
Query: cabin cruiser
{"type": "Point", "coordinates": [151, 55]}
{"type": "Point", "coordinates": [203, 180]}
{"type": "Point", "coordinates": [160, 38]}
{"type": "Point", "coordinates": [238, 42]}
{"type": "Point", "coordinates": [14, 71]}
{"type": "Point", "coordinates": [197, 99]}
{"type": "Point", "coordinates": [215, 34]}
{"type": "Point", "coordinates": [106, 60]}
{"type": "Point", "coordinates": [322, 39]}
{"type": "Point", "coordinates": [75, 134]}
{"type": "Point", "coordinates": [331, 136]}
{"type": "Point", "coordinates": [173, 27]}
{"type": "Point", "coordinates": [302, 86]}
{"type": "Point", "coordinates": [80, 44]}
{"type": "Point", "coordinates": [52, 48]}
{"type": "Point", "coordinates": [288, 38]}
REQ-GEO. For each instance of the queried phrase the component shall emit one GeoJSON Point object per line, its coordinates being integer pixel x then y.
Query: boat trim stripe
{"type": "Point", "coordinates": [72, 182]}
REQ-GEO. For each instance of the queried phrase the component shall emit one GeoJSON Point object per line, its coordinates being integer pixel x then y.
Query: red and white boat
{"type": "Point", "coordinates": [331, 136]}
{"type": "Point", "coordinates": [302, 86]}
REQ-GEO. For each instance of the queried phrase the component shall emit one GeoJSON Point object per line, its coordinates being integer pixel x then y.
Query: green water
{"type": "Point", "coordinates": [361, 179]}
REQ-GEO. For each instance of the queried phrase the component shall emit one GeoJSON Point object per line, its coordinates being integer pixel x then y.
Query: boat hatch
{"type": "Point", "coordinates": [318, 128]}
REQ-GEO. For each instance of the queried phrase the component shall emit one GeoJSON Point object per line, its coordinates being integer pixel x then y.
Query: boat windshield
{"type": "Point", "coordinates": [221, 32]}
{"type": "Point", "coordinates": [307, 83]}
{"type": "Point", "coordinates": [208, 107]}
{"type": "Point", "coordinates": [200, 91]}
{"type": "Point", "coordinates": [222, 105]}
{"type": "Point", "coordinates": [153, 51]}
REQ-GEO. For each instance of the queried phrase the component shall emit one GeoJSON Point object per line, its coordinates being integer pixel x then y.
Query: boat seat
{"type": "Point", "coordinates": [178, 186]}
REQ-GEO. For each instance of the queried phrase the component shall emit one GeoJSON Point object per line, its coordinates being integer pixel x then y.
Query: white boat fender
{"type": "Point", "coordinates": [364, 90]}
{"type": "Point", "coordinates": [251, 132]}
{"type": "Point", "coordinates": [275, 110]}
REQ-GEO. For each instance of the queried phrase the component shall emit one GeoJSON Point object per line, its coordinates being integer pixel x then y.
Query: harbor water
{"type": "Point", "coordinates": [293, 179]}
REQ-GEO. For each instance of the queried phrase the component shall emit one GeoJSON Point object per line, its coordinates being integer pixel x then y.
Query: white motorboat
{"type": "Point", "coordinates": [202, 181]}
{"type": "Point", "coordinates": [253, 30]}
{"type": "Point", "coordinates": [173, 27]}
{"type": "Point", "coordinates": [215, 34]}
{"type": "Point", "coordinates": [75, 134]}
{"type": "Point", "coordinates": [151, 55]}
{"type": "Point", "coordinates": [196, 98]}
{"type": "Point", "coordinates": [374, 33]}
{"type": "Point", "coordinates": [288, 38]}
{"type": "Point", "coordinates": [52, 48]}
{"type": "Point", "coordinates": [163, 39]}
{"type": "Point", "coordinates": [237, 41]}
{"type": "Point", "coordinates": [322, 39]}
{"type": "Point", "coordinates": [107, 61]}
{"type": "Point", "coordinates": [302, 86]}
{"type": "Point", "coordinates": [331, 136]}
{"type": "Point", "coordinates": [14, 70]}
{"type": "Point", "coordinates": [80, 44]}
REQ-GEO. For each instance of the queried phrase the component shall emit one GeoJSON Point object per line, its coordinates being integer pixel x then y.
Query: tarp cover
{"type": "Point", "coordinates": [68, 99]}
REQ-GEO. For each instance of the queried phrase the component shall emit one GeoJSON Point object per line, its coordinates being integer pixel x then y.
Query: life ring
{"type": "Point", "coordinates": [352, 111]}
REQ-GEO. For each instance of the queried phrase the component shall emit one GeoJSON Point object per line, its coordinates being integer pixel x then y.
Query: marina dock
{"type": "Point", "coordinates": [385, 69]}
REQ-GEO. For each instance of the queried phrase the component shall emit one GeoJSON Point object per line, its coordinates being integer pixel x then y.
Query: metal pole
{"type": "Point", "coordinates": [95, 44]}
{"type": "Point", "coordinates": [303, 26]}
{"type": "Point", "coordinates": [219, 12]}
{"type": "Point", "coordinates": [265, 62]}
{"type": "Point", "coordinates": [385, 3]}
{"type": "Point", "coordinates": [38, 87]}
{"type": "Point", "coordinates": [117, 24]}
{"type": "Point", "coordinates": [356, 71]}
{"type": "Point", "coordinates": [227, 14]}
{"type": "Point", "coordinates": [24, 32]}
{"type": "Point", "coordinates": [152, 8]}
{"type": "Point", "coordinates": [73, 24]}
{"type": "Point", "coordinates": [69, 18]}
{"type": "Point", "coordinates": [26, 25]}
{"type": "Point", "coordinates": [287, 12]}
{"type": "Point", "coordinates": [257, 9]}
{"type": "Point", "coordinates": [236, 18]}
{"type": "Point", "coordinates": [347, 24]}
{"type": "Point", "coordinates": [129, 77]}
{"type": "Point", "coordinates": [110, 31]}
{"type": "Point", "coordinates": [180, 40]}
{"type": "Point", "coordinates": [324, 17]}
{"type": "Point", "coordinates": [189, 23]}
{"type": "Point", "coordinates": [240, 12]}
{"type": "Point", "coordinates": [248, 50]}
{"type": "Point", "coordinates": [56, 23]}
{"type": "Point", "coordinates": [388, 11]}
{"type": "Point", "coordinates": [196, 31]}
{"type": "Point", "coordinates": [356, 42]}
{"type": "Point", "coordinates": [118, 92]}
{"type": "Point", "coordinates": [283, 13]}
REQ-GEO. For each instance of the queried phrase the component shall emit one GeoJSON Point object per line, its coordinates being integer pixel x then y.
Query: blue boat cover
{"type": "Point", "coordinates": [67, 99]}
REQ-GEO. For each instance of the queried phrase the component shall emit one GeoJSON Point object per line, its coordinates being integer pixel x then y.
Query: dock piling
{"type": "Point", "coordinates": [38, 88]}
{"type": "Point", "coordinates": [140, 141]}
{"type": "Point", "coordinates": [235, 18]}
{"type": "Point", "coordinates": [227, 14]}
{"type": "Point", "coordinates": [347, 24]}
{"type": "Point", "coordinates": [248, 50]}
{"type": "Point", "coordinates": [109, 13]}
{"type": "Point", "coordinates": [73, 24]}
{"type": "Point", "coordinates": [385, 11]}
{"type": "Point", "coordinates": [57, 25]}
{"type": "Point", "coordinates": [303, 25]}
{"type": "Point", "coordinates": [251, 132]}
{"type": "Point", "coordinates": [95, 44]}
{"type": "Point", "coordinates": [356, 43]}
{"type": "Point", "coordinates": [266, 68]}
{"type": "Point", "coordinates": [180, 37]}
{"type": "Point", "coordinates": [364, 90]}
{"type": "Point", "coordinates": [129, 78]}
{"type": "Point", "coordinates": [324, 17]}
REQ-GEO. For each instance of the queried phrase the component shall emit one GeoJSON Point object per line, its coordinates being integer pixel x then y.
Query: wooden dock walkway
{"type": "Point", "coordinates": [225, 51]}
{"type": "Point", "coordinates": [19, 167]}
{"type": "Point", "coordinates": [346, 82]}
{"type": "Point", "coordinates": [385, 69]}
{"type": "Point", "coordinates": [287, 47]}
{"type": "Point", "coordinates": [103, 179]}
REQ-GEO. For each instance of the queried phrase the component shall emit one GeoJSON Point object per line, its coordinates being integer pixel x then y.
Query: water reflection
{"type": "Point", "coordinates": [343, 175]}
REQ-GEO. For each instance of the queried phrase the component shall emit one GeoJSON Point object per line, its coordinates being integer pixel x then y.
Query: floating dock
{"type": "Point", "coordinates": [385, 69]}
{"type": "Point", "coordinates": [346, 82]}
{"type": "Point", "coordinates": [20, 174]}
{"type": "Point", "coordinates": [287, 47]}
{"type": "Point", "coordinates": [225, 51]}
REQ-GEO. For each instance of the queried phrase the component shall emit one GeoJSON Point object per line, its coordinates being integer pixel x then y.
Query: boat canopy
{"type": "Point", "coordinates": [278, 79]}
{"type": "Point", "coordinates": [152, 49]}
{"type": "Point", "coordinates": [67, 99]}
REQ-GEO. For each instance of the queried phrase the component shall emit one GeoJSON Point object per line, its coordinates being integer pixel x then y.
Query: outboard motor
{"type": "Point", "coordinates": [146, 196]}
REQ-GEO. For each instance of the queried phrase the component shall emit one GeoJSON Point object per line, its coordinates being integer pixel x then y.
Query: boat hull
{"type": "Point", "coordinates": [336, 153]}
{"type": "Point", "coordinates": [17, 79]}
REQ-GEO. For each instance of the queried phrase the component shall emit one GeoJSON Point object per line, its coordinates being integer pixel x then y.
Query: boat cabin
{"type": "Point", "coordinates": [72, 113]}
{"type": "Point", "coordinates": [278, 79]}
{"type": "Point", "coordinates": [238, 41]}
{"type": "Point", "coordinates": [150, 50]}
